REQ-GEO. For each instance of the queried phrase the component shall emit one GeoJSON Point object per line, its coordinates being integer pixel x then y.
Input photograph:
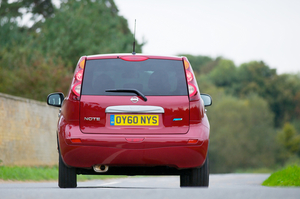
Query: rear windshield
{"type": "Point", "coordinates": [156, 77]}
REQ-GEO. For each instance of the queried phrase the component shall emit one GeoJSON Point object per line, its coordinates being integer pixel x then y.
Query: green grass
{"type": "Point", "coordinates": [16, 173]}
{"type": "Point", "coordinates": [289, 176]}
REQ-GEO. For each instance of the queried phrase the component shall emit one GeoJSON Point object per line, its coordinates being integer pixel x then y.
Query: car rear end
{"type": "Point", "coordinates": [133, 111]}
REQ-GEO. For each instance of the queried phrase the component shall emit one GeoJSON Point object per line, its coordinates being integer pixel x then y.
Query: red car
{"type": "Point", "coordinates": [131, 114]}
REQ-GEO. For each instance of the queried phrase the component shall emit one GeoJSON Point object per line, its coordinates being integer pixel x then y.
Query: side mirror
{"type": "Point", "coordinates": [55, 99]}
{"type": "Point", "coordinates": [206, 99]}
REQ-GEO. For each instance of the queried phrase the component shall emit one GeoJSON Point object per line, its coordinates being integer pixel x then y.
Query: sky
{"type": "Point", "coordinates": [239, 30]}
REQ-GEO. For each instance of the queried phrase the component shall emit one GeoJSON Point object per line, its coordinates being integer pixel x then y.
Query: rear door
{"type": "Point", "coordinates": [164, 111]}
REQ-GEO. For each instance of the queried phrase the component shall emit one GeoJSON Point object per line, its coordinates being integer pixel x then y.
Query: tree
{"type": "Point", "coordinates": [253, 77]}
{"type": "Point", "coordinates": [11, 33]}
{"type": "Point", "coordinates": [33, 76]}
{"type": "Point", "coordinates": [242, 134]}
{"type": "Point", "coordinates": [14, 9]}
{"type": "Point", "coordinates": [289, 140]}
{"type": "Point", "coordinates": [85, 27]}
{"type": "Point", "coordinates": [280, 91]}
{"type": "Point", "coordinates": [12, 12]}
{"type": "Point", "coordinates": [224, 74]}
{"type": "Point", "coordinates": [201, 64]}
{"type": "Point", "coordinates": [37, 61]}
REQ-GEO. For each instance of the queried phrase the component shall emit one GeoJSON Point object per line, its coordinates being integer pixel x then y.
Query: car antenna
{"type": "Point", "coordinates": [133, 52]}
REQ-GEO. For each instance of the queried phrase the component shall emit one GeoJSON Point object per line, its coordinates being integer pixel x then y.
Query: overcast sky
{"type": "Point", "coordinates": [240, 30]}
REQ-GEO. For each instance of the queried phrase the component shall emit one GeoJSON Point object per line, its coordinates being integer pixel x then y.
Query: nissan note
{"type": "Point", "coordinates": [128, 114]}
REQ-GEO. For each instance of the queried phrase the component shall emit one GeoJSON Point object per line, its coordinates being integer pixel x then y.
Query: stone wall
{"type": "Point", "coordinates": [27, 132]}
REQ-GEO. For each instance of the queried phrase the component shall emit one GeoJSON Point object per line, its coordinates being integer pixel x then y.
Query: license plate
{"type": "Point", "coordinates": [134, 120]}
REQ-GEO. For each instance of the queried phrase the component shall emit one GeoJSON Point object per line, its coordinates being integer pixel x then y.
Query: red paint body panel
{"type": "Point", "coordinates": [70, 110]}
{"type": "Point", "coordinates": [174, 107]}
{"type": "Point", "coordinates": [164, 145]}
{"type": "Point", "coordinates": [116, 150]}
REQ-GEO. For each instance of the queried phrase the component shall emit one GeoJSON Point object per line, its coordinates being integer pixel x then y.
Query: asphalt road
{"type": "Point", "coordinates": [241, 186]}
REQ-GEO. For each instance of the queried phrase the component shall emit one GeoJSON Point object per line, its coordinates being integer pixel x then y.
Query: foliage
{"type": "Point", "coordinates": [289, 176]}
{"type": "Point", "coordinates": [289, 141]}
{"type": "Point", "coordinates": [14, 8]}
{"type": "Point", "coordinates": [250, 103]}
{"type": "Point", "coordinates": [245, 99]}
{"type": "Point", "coordinates": [29, 74]}
{"type": "Point", "coordinates": [201, 64]}
{"type": "Point", "coordinates": [224, 67]}
{"type": "Point", "coordinates": [289, 138]}
{"type": "Point", "coordinates": [242, 135]}
{"type": "Point", "coordinates": [282, 92]}
{"type": "Point", "coordinates": [85, 27]}
{"type": "Point", "coordinates": [11, 34]}
{"type": "Point", "coordinates": [39, 60]}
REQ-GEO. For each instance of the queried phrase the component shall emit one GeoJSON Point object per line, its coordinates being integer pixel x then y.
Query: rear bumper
{"type": "Point", "coordinates": [131, 150]}
{"type": "Point", "coordinates": [178, 157]}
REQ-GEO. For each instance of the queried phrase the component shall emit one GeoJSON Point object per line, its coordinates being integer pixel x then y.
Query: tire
{"type": "Point", "coordinates": [196, 177]}
{"type": "Point", "coordinates": [67, 177]}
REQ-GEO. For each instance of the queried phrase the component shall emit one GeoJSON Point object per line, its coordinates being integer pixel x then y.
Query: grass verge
{"type": "Point", "coordinates": [16, 173]}
{"type": "Point", "coordinates": [288, 176]}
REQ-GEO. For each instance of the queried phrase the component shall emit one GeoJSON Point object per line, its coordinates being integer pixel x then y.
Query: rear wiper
{"type": "Point", "coordinates": [126, 90]}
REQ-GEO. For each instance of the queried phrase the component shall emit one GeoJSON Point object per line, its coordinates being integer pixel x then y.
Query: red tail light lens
{"type": "Point", "coordinates": [192, 90]}
{"type": "Point", "coordinates": [76, 140]}
{"type": "Point", "coordinates": [189, 76]}
{"type": "Point", "coordinates": [193, 141]}
{"type": "Point", "coordinates": [76, 89]}
{"type": "Point", "coordinates": [192, 84]}
{"type": "Point", "coordinates": [79, 75]}
{"type": "Point", "coordinates": [76, 83]}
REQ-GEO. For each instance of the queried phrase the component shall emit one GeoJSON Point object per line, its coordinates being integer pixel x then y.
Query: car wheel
{"type": "Point", "coordinates": [195, 177]}
{"type": "Point", "coordinates": [67, 177]}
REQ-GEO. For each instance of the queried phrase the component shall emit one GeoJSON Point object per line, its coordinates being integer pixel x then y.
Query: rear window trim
{"type": "Point", "coordinates": [179, 59]}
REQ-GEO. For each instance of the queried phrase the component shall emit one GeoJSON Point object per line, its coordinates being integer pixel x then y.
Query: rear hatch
{"type": "Point", "coordinates": [125, 96]}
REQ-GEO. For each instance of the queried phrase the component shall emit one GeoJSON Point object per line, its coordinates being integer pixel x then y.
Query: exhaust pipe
{"type": "Point", "coordinates": [100, 168]}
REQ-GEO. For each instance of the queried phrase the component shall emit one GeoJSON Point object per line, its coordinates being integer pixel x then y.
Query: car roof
{"type": "Point", "coordinates": [119, 55]}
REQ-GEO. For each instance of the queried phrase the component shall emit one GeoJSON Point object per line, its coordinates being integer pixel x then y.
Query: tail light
{"type": "Point", "coordinates": [192, 90]}
{"type": "Point", "coordinates": [76, 89]}
{"type": "Point", "coordinates": [77, 79]}
{"type": "Point", "coordinates": [79, 75]}
{"type": "Point", "coordinates": [191, 81]}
